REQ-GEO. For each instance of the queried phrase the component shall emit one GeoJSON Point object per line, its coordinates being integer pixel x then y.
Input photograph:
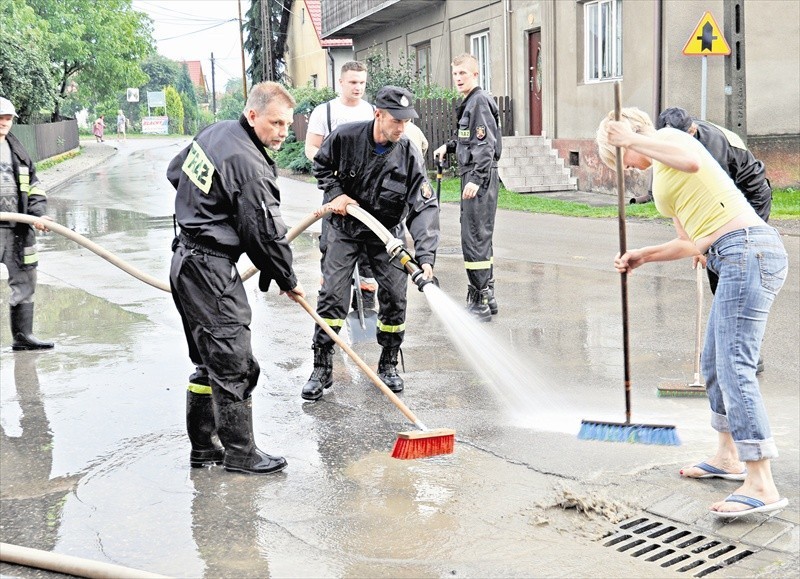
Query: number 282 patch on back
{"type": "Point", "coordinates": [198, 168]}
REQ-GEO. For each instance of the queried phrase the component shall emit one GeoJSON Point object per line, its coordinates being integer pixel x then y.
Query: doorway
{"type": "Point", "coordinates": [535, 81]}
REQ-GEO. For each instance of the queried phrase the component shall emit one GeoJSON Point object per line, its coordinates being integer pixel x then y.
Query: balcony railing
{"type": "Point", "coordinates": [349, 18]}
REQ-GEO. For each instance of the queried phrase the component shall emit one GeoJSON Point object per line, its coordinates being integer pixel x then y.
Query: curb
{"type": "Point", "coordinates": [89, 157]}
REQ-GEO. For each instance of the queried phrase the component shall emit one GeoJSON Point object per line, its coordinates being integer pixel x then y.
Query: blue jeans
{"type": "Point", "coordinates": [752, 265]}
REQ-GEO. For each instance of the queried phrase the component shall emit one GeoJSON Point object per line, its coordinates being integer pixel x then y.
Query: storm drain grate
{"type": "Point", "coordinates": [678, 549]}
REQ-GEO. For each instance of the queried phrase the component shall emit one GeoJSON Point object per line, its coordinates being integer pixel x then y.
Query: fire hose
{"type": "Point", "coordinates": [394, 247]}
{"type": "Point", "coordinates": [68, 565]}
{"type": "Point", "coordinates": [95, 569]}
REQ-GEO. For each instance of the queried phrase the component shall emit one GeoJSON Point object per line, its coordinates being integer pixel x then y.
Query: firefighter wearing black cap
{"type": "Point", "coordinates": [477, 148]}
{"type": "Point", "coordinates": [374, 165]}
{"type": "Point", "coordinates": [228, 203]}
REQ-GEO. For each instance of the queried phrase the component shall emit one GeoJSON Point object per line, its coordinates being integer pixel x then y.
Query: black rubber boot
{"type": "Point", "coordinates": [478, 303]}
{"type": "Point", "coordinates": [234, 420]}
{"type": "Point", "coordinates": [387, 369]}
{"type": "Point", "coordinates": [201, 427]}
{"type": "Point", "coordinates": [322, 376]}
{"type": "Point", "coordinates": [22, 329]}
{"type": "Point", "coordinates": [492, 300]}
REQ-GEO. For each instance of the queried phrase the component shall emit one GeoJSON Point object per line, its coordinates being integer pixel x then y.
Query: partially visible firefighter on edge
{"type": "Point", "coordinates": [20, 192]}
{"type": "Point", "coordinates": [374, 165]}
{"type": "Point", "coordinates": [228, 203]}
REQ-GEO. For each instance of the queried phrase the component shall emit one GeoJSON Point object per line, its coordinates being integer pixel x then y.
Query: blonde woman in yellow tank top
{"type": "Point", "coordinates": [718, 229]}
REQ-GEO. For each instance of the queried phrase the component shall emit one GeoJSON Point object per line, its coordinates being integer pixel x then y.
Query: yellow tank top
{"type": "Point", "coordinates": [703, 201]}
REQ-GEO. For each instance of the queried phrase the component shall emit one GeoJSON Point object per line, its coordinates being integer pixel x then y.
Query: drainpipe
{"type": "Point", "coordinates": [658, 56]}
{"type": "Point", "coordinates": [331, 69]}
{"type": "Point", "coordinates": [506, 47]}
{"type": "Point", "coordinates": [658, 60]}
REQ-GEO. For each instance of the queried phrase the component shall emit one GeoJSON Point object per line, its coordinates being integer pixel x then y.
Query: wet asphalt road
{"type": "Point", "coordinates": [95, 459]}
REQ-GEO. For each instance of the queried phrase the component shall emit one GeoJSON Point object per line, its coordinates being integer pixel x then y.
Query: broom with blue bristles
{"type": "Point", "coordinates": [625, 431]}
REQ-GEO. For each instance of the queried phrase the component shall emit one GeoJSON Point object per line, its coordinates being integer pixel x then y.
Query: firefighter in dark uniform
{"type": "Point", "coordinates": [228, 203]}
{"type": "Point", "coordinates": [20, 192]}
{"type": "Point", "coordinates": [728, 149]}
{"type": "Point", "coordinates": [477, 148]}
{"type": "Point", "coordinates": [374, 165]}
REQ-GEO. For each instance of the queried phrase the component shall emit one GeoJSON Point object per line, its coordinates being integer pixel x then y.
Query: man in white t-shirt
{"type": "Point", "coordinates": [348, 107]}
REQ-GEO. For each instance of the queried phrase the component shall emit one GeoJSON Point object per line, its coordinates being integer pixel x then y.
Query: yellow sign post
{"type": "Point", "coordinates": [706, 40]}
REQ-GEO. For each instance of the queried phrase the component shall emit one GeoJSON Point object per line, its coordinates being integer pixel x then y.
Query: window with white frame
{"type": "Point", "coordinates": [479, 47]}
{"type": "Point", "coordinates": [602, 40]}
{"type": "Point", "coordinates": [422, 59]}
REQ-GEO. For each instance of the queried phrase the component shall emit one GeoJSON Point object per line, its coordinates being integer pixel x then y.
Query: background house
{"type": "Point", "coordinates": [557, 60]}
{"type": "Point", "coordinates": [310, 59]}
{"type": "Point", "coordinates": [195, 69]}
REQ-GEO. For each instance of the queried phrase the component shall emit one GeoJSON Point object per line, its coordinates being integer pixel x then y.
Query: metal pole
{"type": "Point", "coordinates": [704, 89]}
{"type": "Point", "coordinates": [241, 43]}
{"type": "Point", "coordinates": [213, 89]}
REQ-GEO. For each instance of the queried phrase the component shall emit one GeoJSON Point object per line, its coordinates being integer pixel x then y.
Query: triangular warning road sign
{"type": "Point", "coordinates": [707, 40]}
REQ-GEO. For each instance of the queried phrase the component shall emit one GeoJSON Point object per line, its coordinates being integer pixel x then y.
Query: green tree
{"type": "Point", "coordinates": [307, 97]}
{"type": "Point", "coordinates": [381, 72]}
{"type": "Point", "coordinates": [230, 106]}
{"type": "Point", "coordinates": [161, 72]}
{"type": "Point", "coordinates": [261, 66]}
{"type": "Point", "coordinates": [186, 89]}
{"type": "Point", "coordinates": [185, 85]}
{"type": "Point", "coordinates": [204, 119]}
{"type": "Point", "coordinates": [95, 46]}
{"type": "Point", "coordinates": [174, 110]}
{"type": "Point", "coordinates": [25, 76]}
{"type": "Point", "coordinates": [190, 114]}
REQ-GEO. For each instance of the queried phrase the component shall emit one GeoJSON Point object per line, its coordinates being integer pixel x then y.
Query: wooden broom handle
{"type": "Point", "coordinates": [622, 249]}
{"type": "Point", "coordinates": [361, 364]}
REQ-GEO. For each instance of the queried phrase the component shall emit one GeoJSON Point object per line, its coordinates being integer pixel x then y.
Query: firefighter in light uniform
{"type": "Point", "coordinates": [20, 192]}
{"type": "Point", "coordinates": [374, 165]}
{"type": "Point", "coordinates": [477, 148]}
{"type": "Point", "coordinates": [228, 203]}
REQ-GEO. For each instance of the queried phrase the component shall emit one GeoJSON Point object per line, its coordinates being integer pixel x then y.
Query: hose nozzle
{"type": "Point", "coordinates": [397, 250]}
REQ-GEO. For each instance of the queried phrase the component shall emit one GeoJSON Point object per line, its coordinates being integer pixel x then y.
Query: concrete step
{"type": "Point", "coordinates": [529, 164]}
{"type": "Point", "coordinates": [529, 151]}
{"type": "Point", "coordinates": [535, 183]}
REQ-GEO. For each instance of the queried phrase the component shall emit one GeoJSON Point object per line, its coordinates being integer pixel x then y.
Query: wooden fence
{"type": "Point", "coordinates": [46, 140]}
{"type": "Point", "coordinates": [437, 120]}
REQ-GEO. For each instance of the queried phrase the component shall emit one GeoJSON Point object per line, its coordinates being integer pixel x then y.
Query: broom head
{"type": "Point", "coordinates": [693, 390]}
{"type": "Point", "coordinates": [627, 432]}
{"type": "Point", "coordinates": [424, 443]}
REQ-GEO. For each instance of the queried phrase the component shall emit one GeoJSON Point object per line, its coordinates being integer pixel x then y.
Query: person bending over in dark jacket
{"type": "Point", "coordinates": [727, 148]}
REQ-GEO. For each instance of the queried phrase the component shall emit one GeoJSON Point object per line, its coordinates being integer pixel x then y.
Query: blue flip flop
{"type": "Point", "coordinates": [714, 472]}
{"type": "Point", "coordinates": [756, 506]}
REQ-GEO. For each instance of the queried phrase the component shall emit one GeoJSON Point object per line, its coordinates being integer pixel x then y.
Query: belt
{"type": "Point", "coordinates": [202, 248]}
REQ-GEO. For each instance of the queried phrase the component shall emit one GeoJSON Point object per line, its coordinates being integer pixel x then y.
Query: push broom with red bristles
{"type": "Point", "coordinates": [409, 445]}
